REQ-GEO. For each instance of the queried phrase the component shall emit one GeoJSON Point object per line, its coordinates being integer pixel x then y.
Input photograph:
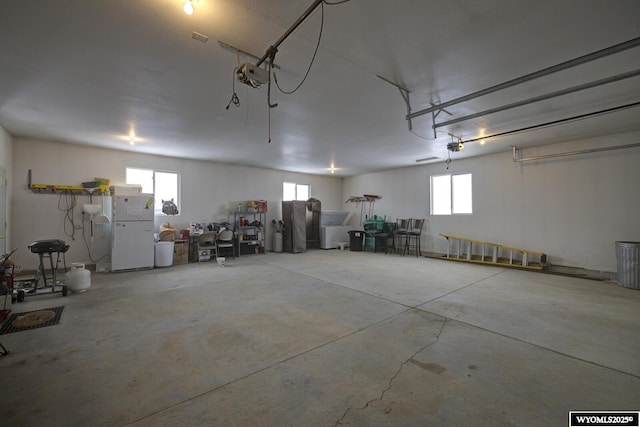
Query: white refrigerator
{"type": "Point", "coordinates": [132, 238]}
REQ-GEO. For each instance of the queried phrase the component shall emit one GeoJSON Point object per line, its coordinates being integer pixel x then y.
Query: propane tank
{"type": "Point", "coordinates": [78, 279]}
{"type": "Point", "coordinates": [277, 242]}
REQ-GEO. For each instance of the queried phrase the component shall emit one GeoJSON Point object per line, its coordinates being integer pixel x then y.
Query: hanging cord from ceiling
{"type": "Point", "coordinates": [269, 104]}
{"type": "Point", "coordinates": [420, 136]}
{"type": "Point", "coordinates": [234, 98]}
{"type": "Point", "coordinates": [272, 57]}
{"type": "Point", "coordinates": [273, 49]}
{"type": "Point", "coordinates": [66, 203]}
{"type": "Point", "coordinates": [313, 58]}
{"type": "Point", "coordinates": [269, 121]}
{"type": "Point", "coordinates": [453, 146]}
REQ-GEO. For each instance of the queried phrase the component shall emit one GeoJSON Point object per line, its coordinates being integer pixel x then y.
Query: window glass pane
{"type": "Point", "coordinates": [143, 177]}
{"type": "Point", "coordinates": [166, 185]}
{"type": "Point", "coordinates": [441, 195]}
{"type": "Point", "coordinates": [462, 195]}
{"type": "Point", "coordinates": [288, 191]}
{"type": "Point", "coordinates": [302, 192]}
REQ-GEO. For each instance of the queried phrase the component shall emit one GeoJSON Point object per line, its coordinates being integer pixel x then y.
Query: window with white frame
{"type": "Point", "coordinates": [163, 185]}
{"type": "Point", "coordinates": [293, 191]}
{"type": "Point", "coordinates": [451, 194]}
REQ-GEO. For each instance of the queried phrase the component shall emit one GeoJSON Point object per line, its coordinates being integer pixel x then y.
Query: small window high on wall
{"type": "Point", "coordinates": [293, 191]}
{"type": "Point", "coordinates": [163, 185]}
{"type": "Point", "coordinates": [451, 194]}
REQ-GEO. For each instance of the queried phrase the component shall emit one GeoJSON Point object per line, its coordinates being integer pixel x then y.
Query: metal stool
{"type": "Point", "coordinates": [413, 236]}
{"type": "Point", "coordinates": [400, 234]}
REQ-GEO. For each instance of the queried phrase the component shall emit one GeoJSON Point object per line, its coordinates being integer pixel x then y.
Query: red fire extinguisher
{"type": "Point", "coordinates": [7, 270]}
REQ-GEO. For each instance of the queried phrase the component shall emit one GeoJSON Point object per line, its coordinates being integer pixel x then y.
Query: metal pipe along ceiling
{"type": "Point", "coordinates": [274, 47]}
{"type": "Point", "coordinates": [555, 122]}
{"type": "Point", "coordinates": [544, 72]}
{"type": "Point", "coordinates": [566, 91]}
{"type": "Point", "coordinates": [570, 153]}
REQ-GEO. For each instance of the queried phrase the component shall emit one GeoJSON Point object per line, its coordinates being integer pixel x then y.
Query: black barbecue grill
{"type": "Point", "coordinates": [48, 246]}
{"type": "Point", "coordinates": [48, 249]}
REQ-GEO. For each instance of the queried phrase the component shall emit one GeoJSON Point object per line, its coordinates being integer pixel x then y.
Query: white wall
{"type": "Point", "coordinates": [572, 208]}
{"type": "Point", "coordinates": [6, 154]}
{"type": "Point", "coordinates": [209, 191]}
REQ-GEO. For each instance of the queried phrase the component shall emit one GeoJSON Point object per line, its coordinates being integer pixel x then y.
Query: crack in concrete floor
{"type": "Point", "coordinates": [393, 377]}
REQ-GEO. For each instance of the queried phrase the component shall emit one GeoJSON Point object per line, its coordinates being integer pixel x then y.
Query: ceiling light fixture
{"type": "Point", "coordinates": [130, 138]}
{"type": "Point", "coordinates": [332, 168]}
{"type": "Point", "coordinates": [188, 6]}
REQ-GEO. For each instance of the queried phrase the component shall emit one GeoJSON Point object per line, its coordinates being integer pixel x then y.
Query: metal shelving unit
{"type": "Point", "coordinates": [250, 232]}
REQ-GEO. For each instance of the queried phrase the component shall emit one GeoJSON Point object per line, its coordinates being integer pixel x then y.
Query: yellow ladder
{"type": "Point", "coordinates": [477, 251]}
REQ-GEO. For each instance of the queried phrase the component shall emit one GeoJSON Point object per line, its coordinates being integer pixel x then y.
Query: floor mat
{"type": "Point", "coordinates": [26, 321]}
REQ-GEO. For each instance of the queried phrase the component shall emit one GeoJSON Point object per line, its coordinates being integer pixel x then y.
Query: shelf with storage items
{"type": "Point", "coordinates": [98, 185]}
{"type": "Point", "coordinates": [250, 232]}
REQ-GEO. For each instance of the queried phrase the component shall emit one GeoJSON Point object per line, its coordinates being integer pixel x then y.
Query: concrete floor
{"type": "Point", "coordinates": [326, 338]}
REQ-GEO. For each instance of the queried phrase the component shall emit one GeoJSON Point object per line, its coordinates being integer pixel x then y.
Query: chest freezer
{"type": "Point", "coordinates": [333, 229]}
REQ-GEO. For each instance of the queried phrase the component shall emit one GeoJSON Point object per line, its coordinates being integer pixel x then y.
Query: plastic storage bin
{"type": "Point", "coordinates": [163, 254]}
{"type": "Point", "coordinates": [369, 242]}
{"type": "Point", "coordinates": [374, 223]}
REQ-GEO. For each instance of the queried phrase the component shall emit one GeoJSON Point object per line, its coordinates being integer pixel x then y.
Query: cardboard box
{"type": "Point", "coordinates": [261, 206]}
{"type": "Point", "coordinates": [180, 252]}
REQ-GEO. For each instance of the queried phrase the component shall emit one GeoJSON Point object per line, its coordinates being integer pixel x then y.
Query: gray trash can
{"type": "Point", "coordinates": [628, 260]}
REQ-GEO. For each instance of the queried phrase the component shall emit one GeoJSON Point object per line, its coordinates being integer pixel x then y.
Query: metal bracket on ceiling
{"type": "Point", "coordinates": [405, 95]}
{"type": "Point", "coordinates": [238, 51]}
{"type": "Point", "coordinates": [515, 151]}
{"type": "Point", "coordinates": [569, 90]}
{"type": "Point", "coordinates": [435, 109]}
{"type": "Point", "coordinates": [630, 44]}
{"type": "Point", "coordinates": [434, 114]}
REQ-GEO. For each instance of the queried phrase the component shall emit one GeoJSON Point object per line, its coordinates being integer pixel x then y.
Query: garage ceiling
{"type": "Point", "coordinates": [103, 73]}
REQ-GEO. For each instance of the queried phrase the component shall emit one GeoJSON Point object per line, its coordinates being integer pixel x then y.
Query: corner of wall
{"type": "Point", "coordinates": [6, 162]}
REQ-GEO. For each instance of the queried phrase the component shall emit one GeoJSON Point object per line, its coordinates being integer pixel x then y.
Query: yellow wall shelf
{"type": "Point", "coordinates": [56, 188]}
